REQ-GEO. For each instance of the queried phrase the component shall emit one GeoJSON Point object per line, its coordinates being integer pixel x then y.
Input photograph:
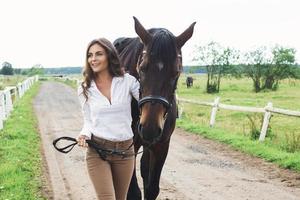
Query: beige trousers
{"type": "Point", "coordinates": [110, 177]}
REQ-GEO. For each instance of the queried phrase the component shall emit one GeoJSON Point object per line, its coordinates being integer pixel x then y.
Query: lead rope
{"type": "Point", "coordinates": [101, 151]}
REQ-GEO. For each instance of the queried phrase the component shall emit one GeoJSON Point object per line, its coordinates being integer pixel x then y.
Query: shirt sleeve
{"type": "Point", "coordinates": [85, 108]}
{"type": "Point", "coordinates": [135, 88]}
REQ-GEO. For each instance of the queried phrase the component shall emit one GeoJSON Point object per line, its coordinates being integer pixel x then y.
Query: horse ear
{"type": "Point", "coordinates": [141, 31]}
{"type": "Point", "coordinates": [185, 36]}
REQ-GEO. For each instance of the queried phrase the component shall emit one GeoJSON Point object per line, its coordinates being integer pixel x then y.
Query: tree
{"type": "Point", "coordinates": [256, 65]}
{"type": "Point", "coordinates": [37, 69]}
{"type": "Point", "coordinates": [17, 71]}
{"type": "Point", "coordinates": [218, 61]}
{"type": "Point", "coordinates": [281, 67]}
{"type": "Point", "coordinates": [266, 67]}
{"type": "Point", "coordinates": [229, 60]}
{"type": "Point", "coordinates": [209, 56]}
{"type": "Point", "coordinates": [7, 69]}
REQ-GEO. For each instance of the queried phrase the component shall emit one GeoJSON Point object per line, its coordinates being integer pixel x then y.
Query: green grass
{"type": "Point", "coordinates": [10, 80]}
{"type": "Point", "coordinates": [68, 82]}
{"type": "Point", "coordinates": [20, 167]}
{"type": "Point", "coordinates": [234, 128]}
{"type": "Point", "coordinates": [239, 142]}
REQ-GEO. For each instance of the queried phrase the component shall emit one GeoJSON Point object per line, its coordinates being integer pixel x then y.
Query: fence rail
{"type": "Point", "coordinates": [10, 94]}
{"type": "Point", "coordinates": [267, 110]}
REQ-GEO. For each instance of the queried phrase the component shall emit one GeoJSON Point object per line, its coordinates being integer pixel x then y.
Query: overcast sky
{"type": "Point", "coordinates": [55, 33]}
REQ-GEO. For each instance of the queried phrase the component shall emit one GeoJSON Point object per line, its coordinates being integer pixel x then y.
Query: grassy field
{"type": "Point", "coordinates": [238, 129]}
{"type": "Point", "coordinates": [20, 166]}
{"type": "Point", "coordinates": [68, 80]}
{"type": "Point", "coordinates": [10, 80]}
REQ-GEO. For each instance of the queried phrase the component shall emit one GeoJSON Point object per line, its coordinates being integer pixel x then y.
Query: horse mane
{"type": "Point", "coordinates": [129, 50]}
{"type": "Point", "coordinates": [162, 48]}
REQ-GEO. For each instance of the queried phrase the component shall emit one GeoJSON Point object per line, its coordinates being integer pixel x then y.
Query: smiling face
{"type": "Point", "coordinates": [97, 58]}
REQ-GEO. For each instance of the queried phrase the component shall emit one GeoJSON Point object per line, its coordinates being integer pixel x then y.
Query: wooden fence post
{"type": "Point", "coordinates": [179, 107]}
{"type": "Point", "coordinates": [8, 103]}
{"type": "Point", "coordinates": [2, 109]}
{"type": "Point", "coordinates": [266, 121]}
{"type": "Point", "coordinates": [13, 92]}
{"type": "Point", "coordinates": [20, 90]}
{"type": "Point", "coordinates": [214, 111]}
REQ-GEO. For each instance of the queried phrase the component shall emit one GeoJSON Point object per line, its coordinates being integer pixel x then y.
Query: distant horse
{"type": "Point", "coordinates": [155, 60]}
{"type": "Point", "coordinates": [189, 81]}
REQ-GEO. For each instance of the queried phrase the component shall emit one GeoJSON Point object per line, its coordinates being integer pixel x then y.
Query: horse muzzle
{"type": "Point", "coordinates": [149, 135]}
{"type": "Point", "coordinates": [151, 132]}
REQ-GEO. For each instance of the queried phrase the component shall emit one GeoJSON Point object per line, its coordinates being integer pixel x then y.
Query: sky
{"type": "Point", "coordinates": [55, 33]}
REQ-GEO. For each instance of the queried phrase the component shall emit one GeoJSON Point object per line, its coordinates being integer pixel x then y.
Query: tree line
{"type": "Point", "coordinates": [266, 66]}
{"type": "Point", "coordinates": [38, 69]}
{"type": "Point", "coordinates": [7, 69]}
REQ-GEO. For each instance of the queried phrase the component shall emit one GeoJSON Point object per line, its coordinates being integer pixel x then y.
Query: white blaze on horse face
{"type": "Point", "coordinates": [160, 66]}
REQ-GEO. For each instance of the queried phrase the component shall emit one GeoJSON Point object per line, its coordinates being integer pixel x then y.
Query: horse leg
{"type": "Point", "coordinates": [145, 167]}
{"type": "Point", "coordinates": [157, 159]}
{"type": "Point", "coordinates": [134, 192]}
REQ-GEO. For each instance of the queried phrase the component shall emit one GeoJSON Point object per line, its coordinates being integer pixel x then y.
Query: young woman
{"type": "Point", "coordinates": [105, 96]}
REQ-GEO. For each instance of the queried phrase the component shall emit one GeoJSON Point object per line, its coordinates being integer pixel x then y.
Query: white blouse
{"type": "Point", "coordinates": [111, 121]}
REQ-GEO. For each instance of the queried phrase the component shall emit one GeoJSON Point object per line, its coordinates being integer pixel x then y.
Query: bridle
{"type": "Point", "coordinates": [153, 99]}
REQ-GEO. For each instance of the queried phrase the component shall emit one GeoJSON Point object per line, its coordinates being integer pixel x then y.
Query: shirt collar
{"type": "Point", "coordinates": [115, 79]}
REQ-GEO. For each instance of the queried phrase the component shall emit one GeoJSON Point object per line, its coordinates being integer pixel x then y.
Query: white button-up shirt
{"type": "Point", "coordinates": [109, 120]}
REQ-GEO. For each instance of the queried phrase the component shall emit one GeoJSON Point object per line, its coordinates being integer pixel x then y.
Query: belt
{"type": "Point", "coordinates": [102, 152]}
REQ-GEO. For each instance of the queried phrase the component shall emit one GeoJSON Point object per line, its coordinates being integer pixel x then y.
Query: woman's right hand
{"type": "Point", "coordinates": [81, 139]}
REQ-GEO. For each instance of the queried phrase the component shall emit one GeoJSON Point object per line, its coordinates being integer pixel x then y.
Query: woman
{"type": "Point", "coordinates": [105, 96]}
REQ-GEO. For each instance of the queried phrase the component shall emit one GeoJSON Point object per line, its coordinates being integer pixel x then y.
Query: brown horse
{"type": "Point", "coordinates": [155, 60]}
{"type": "Point", "coordinates": [189, 81]}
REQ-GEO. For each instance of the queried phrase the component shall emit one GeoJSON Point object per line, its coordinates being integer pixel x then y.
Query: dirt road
{"type": "Point", "coordinates": [196, 168]}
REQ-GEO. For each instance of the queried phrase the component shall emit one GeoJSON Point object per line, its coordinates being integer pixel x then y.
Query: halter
{"type": "Point", "coordinates": [153, 99]}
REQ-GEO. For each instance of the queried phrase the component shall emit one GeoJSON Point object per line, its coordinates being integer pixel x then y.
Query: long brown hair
{"type": "Point", "coordinates": [114, 66]}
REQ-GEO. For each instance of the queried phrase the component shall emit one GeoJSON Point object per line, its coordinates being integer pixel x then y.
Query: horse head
{"type": "Point", "coordinates": [159, 66]}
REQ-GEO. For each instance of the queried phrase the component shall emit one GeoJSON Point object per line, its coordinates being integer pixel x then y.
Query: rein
{"type": "Point", "coordinates": [102, 152]}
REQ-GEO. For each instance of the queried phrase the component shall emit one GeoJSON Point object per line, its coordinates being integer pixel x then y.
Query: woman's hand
{"type": "Point", "coordinates": [81, 139]}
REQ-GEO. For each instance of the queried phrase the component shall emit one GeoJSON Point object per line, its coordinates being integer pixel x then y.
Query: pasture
{"type": "Point", "coordinates": [282, 144]}
{"type": "Point", "coordinates": [10, 80]}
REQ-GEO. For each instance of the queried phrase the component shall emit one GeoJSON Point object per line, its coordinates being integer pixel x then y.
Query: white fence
{"type": "Point", "coordinates": [267, 110]}
{"type": "Point", "coordinates": [10, 94]}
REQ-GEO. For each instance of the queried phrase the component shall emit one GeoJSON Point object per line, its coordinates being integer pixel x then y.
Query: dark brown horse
{"type": "Point", "coordinates": [155, 60]}
{"type": "Point", "coordinates": [189, 81]}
